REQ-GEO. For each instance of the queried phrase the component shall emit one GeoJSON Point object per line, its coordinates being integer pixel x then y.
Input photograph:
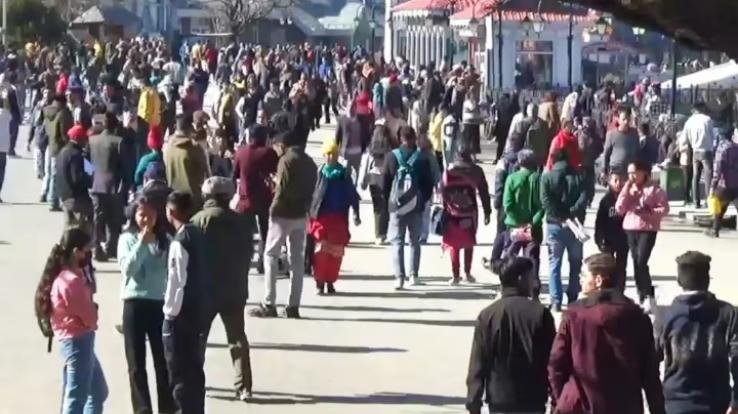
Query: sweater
{"type": "Point", "coordinates": [569, 143]}
{"type": "Point", "coordinates": [73, 312]}
{"type": "Point", "coordinates": [153, 156]}
{"type": "Point", "coordinates": [562, 194]}
{"type": "Point", "coordinates": [522, 200]}
{"type": "Point", "coordinates": [144, 269]}
{"type": "Point", "coordinates": [621, 149]}
{"type": "Point", "coordinates": [643, 210]}
{"type": "Point", "coordinates": [609, 234]}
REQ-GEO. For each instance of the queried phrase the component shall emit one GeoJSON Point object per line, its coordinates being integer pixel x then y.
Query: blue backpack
{"type": "Point", "coordinates": [404, 195]}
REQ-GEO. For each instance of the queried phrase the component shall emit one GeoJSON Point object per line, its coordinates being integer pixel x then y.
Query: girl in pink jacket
{"type": "Point", "coordinates": [65, 309]}
{"type": "Point", "coordinates": [643, 205]}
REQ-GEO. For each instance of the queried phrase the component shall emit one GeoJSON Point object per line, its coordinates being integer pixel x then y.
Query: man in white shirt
{"type": "Point", "coordinates": [700, 134]}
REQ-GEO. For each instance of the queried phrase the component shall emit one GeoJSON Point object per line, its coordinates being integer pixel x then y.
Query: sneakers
{"type": "Point", "coordinates": [319, 288]}
{"type": "Point", "coordinates": [291, 312]}
{"type": "Point", "coordinates": [416, 281]}
{"type": "Point", "coordinates": [470, 279]}
{"type": "Point", "coordinates": [264, 311]}
{"type": "Point", "coordinates": [119, 328]}
{"type": "Point", "coordinates": [243, 395]}
{"type": "Point", "coordinates": [649, 305]}
{"type": "Point", "coordinates": [400, 283]}
{"type": "Point", "coordinates": [712, 233]}
{"type": "Point", "coordinates": [454, 281]}
{"type": "Point", "coordinates": [42, 199]}
{"type": "Point", "coordinates": [55, 208]}
{"type": "Point", "coordinates": [330, 289]}
{"type": "Point", "coordinates": [556, 307]}
{"type": "Point", "coordinates": [379, 241]}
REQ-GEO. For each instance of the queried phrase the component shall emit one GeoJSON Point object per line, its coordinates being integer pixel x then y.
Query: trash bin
{"type": "Point", "coordinates": [673, 182]}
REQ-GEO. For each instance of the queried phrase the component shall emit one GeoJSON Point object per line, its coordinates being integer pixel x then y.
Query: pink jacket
{"type": "Point", "coordinates": [73, 311]}
{"type": "Point", "coordinates": [644, 210]}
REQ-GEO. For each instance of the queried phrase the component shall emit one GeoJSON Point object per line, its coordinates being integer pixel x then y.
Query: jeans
{"type": "Point", "coordinates": [589, 183]}
{"type": "Point", "coordinates": [39, 161]}
{"type": "Point", "coordinates": [425, 225]}
{"type": "Point", "coordinates": [108, 219]}
{"type": "Point", "coordinates": [142, 319]}
{"type": "Point", "coordinates": [238, 345]}
{"type": "Point", "coordinates": [562, 239]}
{"type": "Point", "coordinates": [381, 215]}
{"type": "Point", "coordinates": [641, 245]}
{"type": "Point", "coordinates": [3, 163]}
{"type": "Point", "coordinates": [449, 150]}
{"type": "Point", "coordinates": [183, 351]}
{"type": "Point", "coordinates": [14, 124]}
{"type": "Point", "coordinates": [48, 187]}
{"type": "Point", "coordinates": [85, 389]}
{"type": "Point", "coordinates": [620, 252]}
{"type": "Point", "coordinates": [702, 167]}
{"type": "Point", "coordinates": [281, 230]}
{"type": "Point", "coordinates": [398, 226]}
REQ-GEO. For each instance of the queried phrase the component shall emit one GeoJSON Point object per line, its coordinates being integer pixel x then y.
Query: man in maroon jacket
{"type": "Point", "coordinates": [253, 169]}
{"type": "Point", "coordinates": [604, 354]}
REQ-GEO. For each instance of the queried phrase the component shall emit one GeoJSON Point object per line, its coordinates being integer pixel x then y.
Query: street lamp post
{"type": "Point", "coordinates": [601, 26]}
{"type": "Point", "coordinates": [499, 45]}
{"type": "Point", "coordinates": [569, 48]}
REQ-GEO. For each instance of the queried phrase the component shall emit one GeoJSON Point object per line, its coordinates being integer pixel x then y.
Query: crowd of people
{"type": "Point", "coordinates": [175, 191]}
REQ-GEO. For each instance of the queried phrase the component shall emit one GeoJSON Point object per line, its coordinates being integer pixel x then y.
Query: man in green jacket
{"type": "Point", "coordinates": [57, 121]}
{"type": "Point", "coordinates": [524, 211]}
{"type": "Point", "coordinates": [564, 198]}
{"type": "Point", "coordinates": [185, 162]}
{"type": "Point", "coordinates": [229, 246]}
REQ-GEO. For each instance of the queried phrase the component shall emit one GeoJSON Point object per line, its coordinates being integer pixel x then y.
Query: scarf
{"type": "Point", "coordinates": [332, 172]}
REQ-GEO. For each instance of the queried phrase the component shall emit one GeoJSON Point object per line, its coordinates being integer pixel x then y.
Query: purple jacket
{"type": "Point", "coordinates": [726, 166]}
{"type": "Point", "coordinates": [644, 210]}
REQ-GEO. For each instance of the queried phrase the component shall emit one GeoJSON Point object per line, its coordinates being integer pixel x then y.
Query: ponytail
{"type": "Point", "coordinates": [42, 300]}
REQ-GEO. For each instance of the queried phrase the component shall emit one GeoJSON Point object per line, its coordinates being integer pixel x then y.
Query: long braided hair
{"type": "Point", "coordinates": [60, 256]}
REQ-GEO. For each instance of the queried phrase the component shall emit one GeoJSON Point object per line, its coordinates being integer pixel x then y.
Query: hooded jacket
{"type": "Point", "coordinates": [57, 121]}
{"type": "Point", "coordinates": [568, 142]}
{"type": "Point", "coordinates": [699, 345]}
{"type": "Point", "coordinates": [186, 165]}
{"type": "Point", "coordinates": [562, 194]}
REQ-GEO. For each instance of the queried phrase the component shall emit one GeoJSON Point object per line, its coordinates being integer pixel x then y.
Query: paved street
{"type": "Point", "coordinates": [368, 350]}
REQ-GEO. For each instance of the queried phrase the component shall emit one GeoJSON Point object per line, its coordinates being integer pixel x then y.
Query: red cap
{"type": "Point", "coordinates": [393, 77]}
{"type": "Point", "coordinates": [155, 140]}
{"type": "Point", "coordinates": [77, 132]}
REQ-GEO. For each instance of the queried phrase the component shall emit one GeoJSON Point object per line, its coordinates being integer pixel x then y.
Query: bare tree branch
{"type": "Point", "coordinates": [235, 15]}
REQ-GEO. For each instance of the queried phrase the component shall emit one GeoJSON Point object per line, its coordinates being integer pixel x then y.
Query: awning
{"type": "Point", "coordinates": [724, 75]}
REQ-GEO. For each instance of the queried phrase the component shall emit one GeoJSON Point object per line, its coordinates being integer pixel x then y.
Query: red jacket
{"type": "Point", "coordinates": [568, 142]}
{"type": "Point", "coordinates": [254, 167]}
{"type": "Point", "coordinates": [603, 356]}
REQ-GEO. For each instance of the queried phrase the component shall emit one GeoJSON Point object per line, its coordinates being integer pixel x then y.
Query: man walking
{"type": "Point", "coordinates": [229, 247]}
{"type": "Point", "coordinates": [622, 146]}
{"type": "Point", "coordinates": [699, 344]}
{"type": "Point", "coordinates": [564, 201]}
{"type": "Point", "coordinates": [107, 154]}
{"type": "Point", "coordinates": [603, 355]}
{"type": "Point", "coordinates": [511, 346]}
{"type": "Point", "coordinates": [74, 181]}
{"type": "Point", "coordinates": [57, 121]}
{"type": "Point", "coordinates": [185, 162]}
{"type": "Point", "coordinates": [296, 178]}
{"type": "Point", "coordinates": [699, 133]}
{"type": "Point", "coordinates": [408, 185]}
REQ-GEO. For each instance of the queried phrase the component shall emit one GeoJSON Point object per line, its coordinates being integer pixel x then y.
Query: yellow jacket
{"type": "Point", "coordinates": [436, 129]}
{"type": "Point", "coordinates": [149, 106]}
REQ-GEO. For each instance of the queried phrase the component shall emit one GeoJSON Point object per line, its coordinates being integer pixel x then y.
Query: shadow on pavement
{"type": "Point", "coordinates": [374, 309]}
{"type": "Point", "coordinates": [339, 349]}
{"type": "Point", "coordinates": [430, 322]}
{"type": "Point", "coordinates": [435, 294]}
{"type": "Point", "coordinates": [388, 398]}
{"type": "Point", "coordinates": [390, 277]}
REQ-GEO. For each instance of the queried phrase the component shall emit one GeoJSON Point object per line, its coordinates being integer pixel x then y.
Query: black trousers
{"type": "Point", "coordinates": [79, 212]}
{"type": "Point", "coordinates": [238, 345]}
{"type": "Point", "coordinates": [620, 253]}
{"type": "Point", "coordinates": [726, 196]}
{"type": "Point", "coordinates": [262, 221]}
{"type": "Point", "coordinates": [328, 106]}
{"type": "Point", "coordinates": [641, 245]}
{"type": "Point", "coordinates": [183, 350]}
{"type": "Point", "coordinates": [142, 319]}
{"type": "Point", "coordinates": [108, 221]}
{"type": "Point", "coordinates": [688, 172]}
{"type": "Point", "coordinates": [381, 212]}
{"type": "Point", "coordinates": [3, 163]}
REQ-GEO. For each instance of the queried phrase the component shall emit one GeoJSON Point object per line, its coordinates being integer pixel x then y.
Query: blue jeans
{"type": "Point", "coordinates": [398, 226]}
{"type": "Point", "coordinates": [562, 239]}
{"type": "Point", "coordinates": [48, 187]}
{"type": "Point", "coordinates": [85, 388]}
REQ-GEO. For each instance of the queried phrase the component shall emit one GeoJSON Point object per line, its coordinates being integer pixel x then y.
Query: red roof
{"type": "Point", "coordinates": [420, 5]}
{"type": "Point", "coordinates": [513, 10]}
{"type": "Point", "coordinates": [518, 16]}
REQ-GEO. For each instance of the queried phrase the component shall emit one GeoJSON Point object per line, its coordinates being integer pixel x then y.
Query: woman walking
{"type": "Point", "coordinates": [643, 204]}
{"type": "Point", "coordinates": [329, 225]}
{"type": "Point", "coordinates": [459, 188]}
{"type": "Point", "coordinates": [371, 176]}
{"type": "Point", "coordinates": [65, 309]}
{"type": "Point", "coordinates": [142, 256]}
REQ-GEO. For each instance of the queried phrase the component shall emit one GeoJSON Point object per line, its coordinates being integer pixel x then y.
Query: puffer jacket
{"type": "Point", "coordinates": [644, 210]}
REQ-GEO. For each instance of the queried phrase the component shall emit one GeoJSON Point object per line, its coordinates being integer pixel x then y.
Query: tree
{"type": "Point", "coordinates": [30, 19]}
{"type": "Point", "coordinates": [237, 14]}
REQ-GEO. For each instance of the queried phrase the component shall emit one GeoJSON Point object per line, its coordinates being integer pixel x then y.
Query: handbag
{"type": "Point", "coordinates": [438, 220]}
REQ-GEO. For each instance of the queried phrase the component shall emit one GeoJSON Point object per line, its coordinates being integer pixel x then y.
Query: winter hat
{"type": "Point", "coordinates": [155, 171]}
{"type": "Point", "coordinates": [215, 185]}
{"type": "Point", "coordinates": [155, 140]}
{"type": "Point", "coordinates": [77, 132]}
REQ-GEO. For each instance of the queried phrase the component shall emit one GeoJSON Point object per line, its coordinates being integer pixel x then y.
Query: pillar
{"type": "Point", "coordinates": [412, 52]}
{"type": "Point", "coordinates": [444, 45]}
{"type": "Point", "coordinates": [390, 38]}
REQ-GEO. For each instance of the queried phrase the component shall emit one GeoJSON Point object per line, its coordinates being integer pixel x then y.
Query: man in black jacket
{"type": "Point", "coordinates": [699, 344]}
{"type": "Point", "coordinates": [73, 181]}
{"type": "Point", "coordinates": [609, 234]}
{"type": "Point", "coordinates": [512, 342]}
{"type": "Point", "coordinates": [108, 155]}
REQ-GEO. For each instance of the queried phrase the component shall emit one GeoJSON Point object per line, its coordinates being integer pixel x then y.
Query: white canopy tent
{"type": "Point", "coordinates": [724, 75]}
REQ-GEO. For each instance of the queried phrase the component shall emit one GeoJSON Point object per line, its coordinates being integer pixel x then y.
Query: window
{"type": "Point", "coordinates": [534, 64]}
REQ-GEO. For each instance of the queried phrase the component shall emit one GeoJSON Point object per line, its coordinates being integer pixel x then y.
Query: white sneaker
{"type": "Point", "coordinates": [454, 281]}
{"type": "Point", "coordinates": [649, 305]}
{"type": "Point", "coordinates": [416, 281]}
{"type": "Point", "coordinates": [399, 284]}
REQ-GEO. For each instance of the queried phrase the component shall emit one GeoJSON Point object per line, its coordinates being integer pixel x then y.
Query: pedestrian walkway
{"type": "Point", "coordinates": [367, 350]}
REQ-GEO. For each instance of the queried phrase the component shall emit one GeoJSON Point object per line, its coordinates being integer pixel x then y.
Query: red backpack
{"type": "Point", "coordinates": [459, 194]}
